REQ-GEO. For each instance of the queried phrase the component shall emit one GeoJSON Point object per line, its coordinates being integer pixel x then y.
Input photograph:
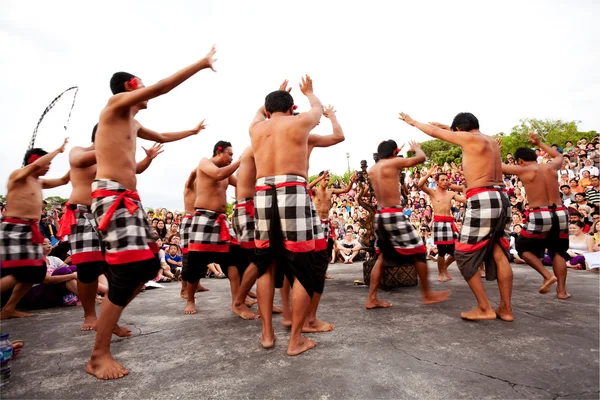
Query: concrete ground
{"type": "Point", "coordinates": [408, 351]}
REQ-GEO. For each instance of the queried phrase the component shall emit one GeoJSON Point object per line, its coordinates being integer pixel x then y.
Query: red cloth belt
{"type": "Point", "coordinates": [476, 191]}
{"type": "Point", "coordinates": [66, 221]}
{"type": "Point", "coordinates": [248, 206]}
{"type": "Point", "coordinates": [280, 185]}
{"type": "Point", "coordinates": [127, 197]}
{"type": "Point", "coordinates": [37, 237]}
{"type": "Point", "coordinates": [443, 218]}
{"type": "Point", "coordinates": [390, 210]}
{"type": "Point", "coordinates": [188, 216]}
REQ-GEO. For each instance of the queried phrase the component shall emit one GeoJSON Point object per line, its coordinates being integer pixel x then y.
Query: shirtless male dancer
{"type": "Point", "coordinates": [444, 228]}
{"type": "Point", "coordinates": [284, 224]}
{"type": "Point", "coordinates": [547, 225]}
{"type": "Point", "coordinates": [211, 234]}
{"type": "Point", "coordinates": [397, 238]}
{"type": "Point", "coordinates": [130, 246]}
{"type": "Point", "coordinates": [79, 223]}
{"type": "Point", "coordinates": [484, 236]}
{"type": "Point", "coordinates": [21, 252]}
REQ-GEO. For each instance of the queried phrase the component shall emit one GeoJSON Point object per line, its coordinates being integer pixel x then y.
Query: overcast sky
{"type": "Point", "coordinates": [501, 61]}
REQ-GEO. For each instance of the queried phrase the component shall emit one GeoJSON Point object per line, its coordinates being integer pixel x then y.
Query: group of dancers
{"type": "Point", "coordinates": [279, 229]}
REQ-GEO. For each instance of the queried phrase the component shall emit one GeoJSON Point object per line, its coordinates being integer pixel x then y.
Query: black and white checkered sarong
{"type": "Point", "coordinates": [127, 237]}
{"type": "Point", "coordinates": [84, 238]}
{"type": "Point", "coordinates": [444, 230]}
{"type": "Point", "coordinates": [184, 232]}
{"type": "Point", "coordinates": [210, 232]}
{"type": "Point", "coordinates": [539, 222]}
{"type": "Point", "coordinates": [17, 247]}
{"type": "Point", "coordinates": [243, 222]}
{"type": "Point", "coordinates": [318, 232]}
{"type": "Point", "coordinates": [393, 228]}
{"type": "Point", "coordinates": [293, 209]}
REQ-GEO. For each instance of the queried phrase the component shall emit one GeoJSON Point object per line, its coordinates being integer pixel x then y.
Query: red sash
{"type": "Point", "coordinates": [127, 197]}
{"type": "Point", "coordinates": [441, 218]}
{"type": "Point", "coordinates": [224, 233]}
{"type": "Point", "coordinates": [280, 185]}
{"type": "Point", "coordinates": [66, 221]}
{"type": "Point", "coordinates": [248, 206]}
{"type": "Point", "coordinates": [37, 237]}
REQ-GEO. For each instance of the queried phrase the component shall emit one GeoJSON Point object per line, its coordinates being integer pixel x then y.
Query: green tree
{"type": "Point", "coordinates": [441, 152]}
{"type": "Point", "coordinates": [2, 198]}
{"type": "Point", "coordinates": [54, 201]}
{"type": "Point", "coordinates": [345, 177]}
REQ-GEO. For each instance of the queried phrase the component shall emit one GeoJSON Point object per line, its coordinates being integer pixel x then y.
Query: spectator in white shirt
{"type": "Point", "coordinates": [588, 166]}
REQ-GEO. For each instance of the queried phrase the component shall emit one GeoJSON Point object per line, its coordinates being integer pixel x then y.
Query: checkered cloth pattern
{"type": "Point", "coordinates": [318, 232]}
{"type": "Point", "coordinates": [399, 231]}
{"type": "Point", "coordinates": [210, 232]}
{"type": "Point", "coordinates": [539, 222]}
{"type": "Point", "coordinates": [127, 237]}
{"type": "Point", "coordinates": [325, 227]}
{"type": "Point", "coordinates": [294, 209]}
{"type": "Point", "coordinates": [482, 216]}
{"type": "Point", "coordinates": [17, 247]}
{"type": "Point", "coordinates": [184, 232]}
{"type": "Point", "coordinates": [444, 230]}
{"type": "Point", "coordinates": [84, 238]}
{"type": "Point", "coordinates": [242, 220]}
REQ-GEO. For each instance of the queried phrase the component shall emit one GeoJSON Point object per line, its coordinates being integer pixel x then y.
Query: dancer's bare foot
{"type": "Point", "coordinates": [89, 323]}
{"type": "Point", "coordinates": [252, 294]}
{"type": "Point", "coordinates": [546, 285]}
{"type": "Point", "coordinates": [441, 278]}
{"type": "Point", "coordinates": [277, 310]}
{"type": "Point", "coordinates": [435, 297]}
{"type": "Point", "coordinates": [563, 296]}
{"type": "Point", "coordinates": [286, 323]}
{"type": "Point", "coordinates": [202, 289]}
{"type": "Point", "coordinates": [504, 315]}
{"type": "Point", "coordinates": [183, 295]}
{"type": "Point", "coordinates": [17, 346]}
{"type": "Point", "coordinates": [190, 308]}
{"type": "Point", "coordinates": [327, 276]}
{"type": "Point", "coordinates": [122, 332]}
{"type": "Point", "coordinates": [105, 367]}
{"type": "Point", "coordinates": [477, 314]}
{"type": "Point", "coordinates": [305, 344]}
{"type": "Point", "coordinates": [7, 314]}
{"type": "Point", "coordinates": [375, 303]}
{"type": "Point", "coordinates": [244, 312]}
{"type": "Point", "coordinates": [250, 301]}
{"type": "Point", "coordinates": [269, 341]}
{"type": "Point", "coordinates": [317, 326]}
{"type": "Point", "coordinates": [447, 275]}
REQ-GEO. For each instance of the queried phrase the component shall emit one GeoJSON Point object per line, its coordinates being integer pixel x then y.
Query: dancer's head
{"type": "Point", "coordinates": [325, 181]}
{"type": "Point", "coordinates": [464, 122]}
{"type": "Point", "coordinates": [94, 133]}
{"type": "Point", "coordinates": [442, 180]}
{"type": "Point", "coordinates": [387, 149]}
{"type": "Point", "coordinates": [222, 153]}
{"type": "Point", "coordinates": [34, 154]}
{"type": "Point", "coordinates": [279, 101]}
{"type": "Point", "coordinates": [525, 156]}
{"type": "Point", "coordinates": [125, 82]}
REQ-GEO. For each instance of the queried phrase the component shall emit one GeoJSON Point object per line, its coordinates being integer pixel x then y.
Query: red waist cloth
{"type": "Point", "coordinates": [37, 237]}
{"type": "Point", "coordinates": [223, 230]}
{"type": "Point", "coordinates": [443, 218]}
{"type": "Point", "coordinates": [127, 197]}
{"type": "Point", "coordinates": [390, 210]}
{"type": "Point", "coordinates": [280, 185]}
{"type": "Point", "coordinates": [476, 191]}
{"type": "Point", "coordinates": [188, 216]}
{"type": "Point", "coordinates": [66, 221]}
{"type": "Point", "coordinates": [248, 206]}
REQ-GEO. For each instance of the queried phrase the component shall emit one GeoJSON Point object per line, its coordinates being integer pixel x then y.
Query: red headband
{"type": "Point", "coordinates": [32, 158]}
{"type": "Point", "coordinates": [133, 83]}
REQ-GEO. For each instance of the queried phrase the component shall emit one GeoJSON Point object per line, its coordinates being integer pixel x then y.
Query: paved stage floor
{"type": "Point", "coordinates": [408, 351]}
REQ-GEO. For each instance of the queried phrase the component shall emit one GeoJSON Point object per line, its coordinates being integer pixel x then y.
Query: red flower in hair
{"type": "Point", "coordinates": [219, 148]}
{"type": "Point", "coordinates": [295, 107]}
{"type": "Point", "coordinates": [133, 83]}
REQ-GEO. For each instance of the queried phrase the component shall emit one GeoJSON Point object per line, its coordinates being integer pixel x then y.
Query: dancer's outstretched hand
{"type": "Point", "coordinates": [406, 118]}
{"type": "Point", "coordinates": [61, 149]}
{"type": "Point", "coordinates": [200, 127]}
{"type": "Point", "coordinates": [210, 59]}
{"type": "Point", "coordinates": [284, 86]}
{"type": "Point", "coordinates": [329, 111]}
{"type": "Point", "coordinates": [534, 138]}
{"type": "Point", "coordinates": [306, 86]}
{"type": "Point", "coordinates": [153, 151]}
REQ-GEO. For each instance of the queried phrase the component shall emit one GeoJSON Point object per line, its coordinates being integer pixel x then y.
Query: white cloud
{"type": "Point", "coordinates": [502, 61]}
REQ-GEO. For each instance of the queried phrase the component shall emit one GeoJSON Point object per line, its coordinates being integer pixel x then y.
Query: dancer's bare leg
{"type": "Point", "coordinates": [312, 323]}
{"type": "Point", "coordinates": [441, 262]}
{"type": "Point", "coordinates": [183, 292]}
{"type": "Point", "coordinates": [265, 289]}
{"type": "Point", "coordinates": [101, 364]}
{"type": "Point", "coordinates": [87, 295]}
{"type": "Point", "coordinates": [190, 307]}
{"type": "Point", "coordinates": [234, 282]}
{"type": "Point", "coordinates": [537, 265]}
{"type": "Point", "coordinates": [429, 296]}
{"type": "Point", "coordinates": [7, 283]}
{"type": "Point", "coordinates": [484, 309]}
{"type": "Point", "coordinates": [376, 273]}
{"type": "Point", "coordinates": [559, 265]}
{"type": "Point", "coordinates": [505, 283]}
{"type": "Point", "coordinates": [239, 304]}
{"type": "Point", "coordinates": [285, 303]}
{"type": "Point", "coordinates": [19, 291]}
{"type": "Point", "coordinates": [447, 263]}
{"type": "Point", "coordinates": [300, 304]}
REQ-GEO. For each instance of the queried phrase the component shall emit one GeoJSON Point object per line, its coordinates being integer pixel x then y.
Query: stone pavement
{"type": "Point", "coordinates": [408, 351]}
